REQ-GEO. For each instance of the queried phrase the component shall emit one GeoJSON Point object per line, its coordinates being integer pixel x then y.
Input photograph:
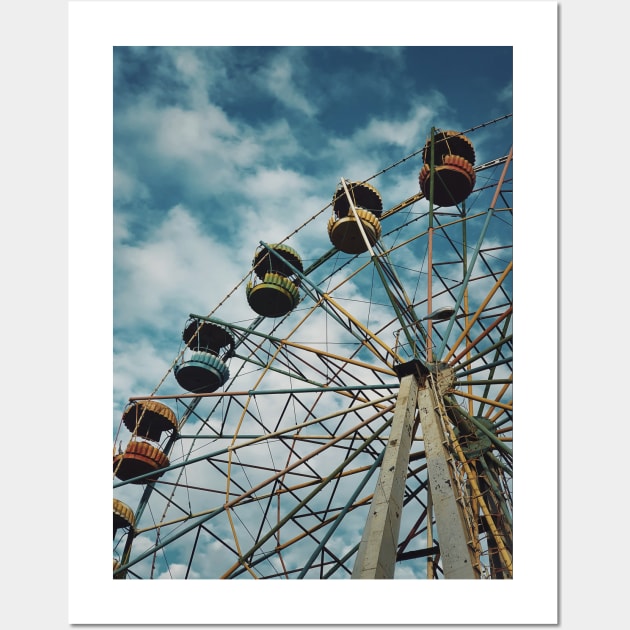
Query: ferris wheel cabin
{"type": "Point", "coordinates": [274, 288]}
{"type": "Point", "coordinates": [453, 157]}
{"type": "Point", "coordinates": [140, 458]}
{"type": "Point", "coordinates": [148, 419]}
{"type": "Point", "coordinates": [205, 371]}
{"type": "Point", "coordinates": [343, 228]}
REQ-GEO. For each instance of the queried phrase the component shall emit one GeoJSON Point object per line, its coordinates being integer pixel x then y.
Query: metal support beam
{"type": "Point", "coordinates": [457, 558]}
{"type": "Point", "coordinates": [376, 557]}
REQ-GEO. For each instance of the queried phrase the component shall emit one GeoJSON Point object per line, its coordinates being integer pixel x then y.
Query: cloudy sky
{"type": "Point", "coordinates": [219, 148]}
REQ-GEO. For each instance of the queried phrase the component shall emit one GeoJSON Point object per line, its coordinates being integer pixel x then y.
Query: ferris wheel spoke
{"type": "Point", "coordinates": [310, 495]}
{"type": "Point", "coordinates": [475, 343]}
{"type": "Point", "coordinates": [474, 318]}
{"type": "Point", "coordinates": [338, 519]}
{"type": "Point", "coordinates": [493, 403]}
{"type": "Point", "coordinates": [478, 248]}
{"type": "Point", "coordinates": [329, 522]}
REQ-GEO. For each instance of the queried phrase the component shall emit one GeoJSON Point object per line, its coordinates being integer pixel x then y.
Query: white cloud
{"type": "Point", "coordinates": [176, 270]}
{"type": "Point", "coordinates": [406, 133]}
{"type": "Point", "coordinates": [187, 135]}
{"type": "Point", "coordinates": [138, 367]}
{"type": "Point", "coordinates": [127, 188]}
{"type": "Point", "coordinates": [506, 94]}
{"type": "Point", "coordinates": [276, 185]}
{"type": "Point", "coordinates": [279, 79]}
{"type": "Point", "coordinates": [178, 571]}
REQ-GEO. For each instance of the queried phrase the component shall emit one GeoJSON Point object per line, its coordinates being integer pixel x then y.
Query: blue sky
{"type": "Point", "coordinates": [219, 148]}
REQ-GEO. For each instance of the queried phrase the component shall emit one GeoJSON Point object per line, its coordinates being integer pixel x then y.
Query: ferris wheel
{"type": "Point", "coordinates": [359, 423]}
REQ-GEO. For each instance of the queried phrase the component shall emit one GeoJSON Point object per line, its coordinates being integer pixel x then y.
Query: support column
{"type": "Point", "coordinates": [376, 557]}
{"type": "Point", "coordinates": [456, 555]}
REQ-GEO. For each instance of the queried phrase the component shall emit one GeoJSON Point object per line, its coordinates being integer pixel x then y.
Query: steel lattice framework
{"type": "Point", "coordinates": [273, 474]}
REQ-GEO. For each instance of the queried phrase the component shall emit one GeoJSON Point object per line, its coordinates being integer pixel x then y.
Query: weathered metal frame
{"type": "Point", "coordinates": [295, 349]}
